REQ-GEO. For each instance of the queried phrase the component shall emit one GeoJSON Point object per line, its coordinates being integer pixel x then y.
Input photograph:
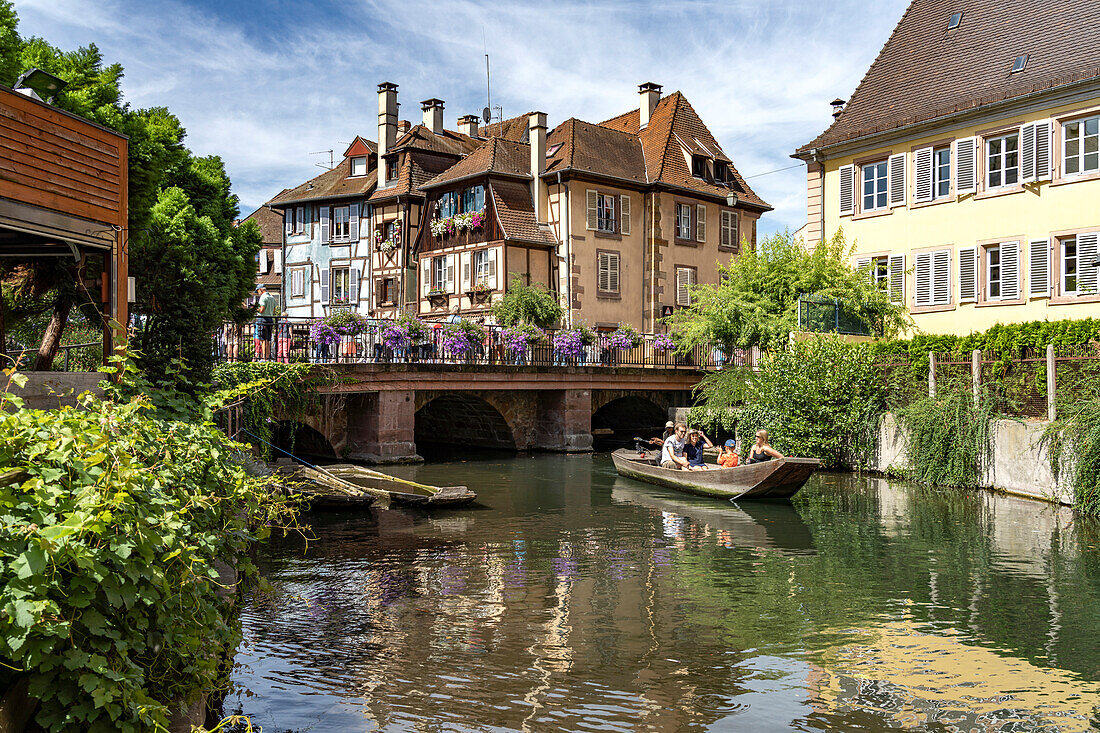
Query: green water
{"type": "Point", "coordinates": [573, 599]}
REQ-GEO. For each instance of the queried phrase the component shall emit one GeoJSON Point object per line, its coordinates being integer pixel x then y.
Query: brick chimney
{"type": "Point", "coordinates": [536, 136]}
{"type": "Point", "coordinates": [468, 125]}
{"type": "Point", "coordinates": [433, 115]}
{"type": "Point", "coordinates": [387, 126]}
{"type": "Point", "coordinates": [650, 94]}
{"type": "Point", "coordinates": [403, 126]}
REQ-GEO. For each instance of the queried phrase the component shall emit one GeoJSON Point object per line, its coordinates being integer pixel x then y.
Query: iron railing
{"type": "Point", "coordinates": [24, 358]}
{"type": "Point", "coordinates": [289, 340]}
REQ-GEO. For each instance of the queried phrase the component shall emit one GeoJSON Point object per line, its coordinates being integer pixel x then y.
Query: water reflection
{"type": "Point", "coordinates": [577, 600]}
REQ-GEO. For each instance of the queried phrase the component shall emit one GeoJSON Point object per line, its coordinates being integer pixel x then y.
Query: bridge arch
{"type": "Point", "coordinates": [464, 418]}
{"type": "Point", "coordinates": [301, 439]}
{"type": "Point", "coordinates": [621, 418]}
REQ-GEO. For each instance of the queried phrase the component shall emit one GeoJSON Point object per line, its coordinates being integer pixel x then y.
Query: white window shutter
{"type": "Point", "coordinates": [324, 286]}
{"type": "Point", "coordinates": [465, 257]}
{"type": "Point", "coordinates": [1086, 255]}
{"type": "Point", "coordinates": [493, 268]}
{"type": "Point", "coordinates": [1010, 270]}
{"type": "Point", "coordinates": [277, 256]}
{"type": "Point", "coordinates": [1038, 260]}
{"type": "Point", "coordinates": [590, 220]}
{"type": "Point", "coordinates": [700, 223]}
{"type": "Point", "coordinates": [299, 219]}
{"type": "Point", "coordinates": [307, 283]}
{"type": "Point", "coordinates": [1044, 162]}
{"type": "Point", "coordinates": [325, 225]}
{"type": "Point", "coordinates": [897, 279]}
{"type": "Point", "coordinates": [288, 221]}
{"type": "Point", "coordinates": [624, 214]}
{"type": "Point", "coordinates": [602, 266]}
{"type": "Point", "coordinates": [425, 276]}
{"type": "Point", "coordinates": [922, 175]}
{"type": "Point", "coordinates": [262, 264]}
{"type": "Point", "coordinates": [450, 285]}
{"type": "Point", "coordinates": [613, 273]}
{"type": "Point", "coordinates": [968, 274]}
{"type": "Point", "coordinates": [353, 222]}
{"type": "Point", "coordinates": [923, 279]}
{"type": "Point", "coordinates": [353, 290]}
{"type": "Point", "coordinates": [307, 213]}
{"type": "Point", "coordinates": [1027, 152]}
{"type": "Point", "coordinates": [863, 266]}
{"type": "Point", "coordinates": [683, 277]}
{"type": "Point", "coordinates": [895, 177]}
{"type": "Point", "coordinates": [966, 165]}
{"type": "Point", "coordinates": [847, 189]}
{"type": "Point", "coordinates": [941, 277]}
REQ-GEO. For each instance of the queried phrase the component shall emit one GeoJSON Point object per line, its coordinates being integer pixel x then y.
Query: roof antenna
{"type": "Point", "coordinates": [331, 161]}
{"type": "Point", "coordinates": [487, 113]}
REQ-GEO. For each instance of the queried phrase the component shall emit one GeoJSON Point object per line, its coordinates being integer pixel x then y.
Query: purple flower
{"type": "Point", "coordinates": [396, 336]}
{"type": "Point", "coordinates": [568, 344]}
{"type": "Point", "coordinates": [663, 342]}
{"type": "Point", "coordinates": [516, 339]}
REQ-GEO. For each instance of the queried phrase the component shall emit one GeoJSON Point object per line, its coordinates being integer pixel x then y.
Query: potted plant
{"type": "Point", "coordinates": [624, 338]}
{"type": "Point", "coordinates": [479, 292]}
{"type": "Point", "coordinates": [462, 339]}
{"type": "Point", "coordinates": [438, 297]}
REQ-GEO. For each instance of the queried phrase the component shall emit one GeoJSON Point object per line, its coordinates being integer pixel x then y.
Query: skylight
{"type": "Point", "coordinates": [1020, 63]}
{"type": "Point", "coordinates": [954, 21]}
{"type": "Point", "coordinates": [553, 149]}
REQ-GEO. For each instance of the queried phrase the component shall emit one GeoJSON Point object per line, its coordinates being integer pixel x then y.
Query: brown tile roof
{"type": "Point", "coordinates": [270, 224]}
{"type": "Point", "coordinates": [417, 167]}
{"type": "Point", "coordinates": [335, 183]}
{"type": "Point", "coordinates": [673, 127]}
{"type": "Point", "coordinates": [448, 142]}
{"type": "Point", "coordinates": [515, 212]}
{"type": "Point", "coordinates": [925, 71]}
{"type": "Point", "coordinates": [496, 155]}
{"type": "Point", "coordinates": [514, 128]}
{"type": "Point", "coordinates": [585, 147]}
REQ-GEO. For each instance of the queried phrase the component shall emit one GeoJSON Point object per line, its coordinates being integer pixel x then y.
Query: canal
{"type": "Point", "coordinates": [576, 600]}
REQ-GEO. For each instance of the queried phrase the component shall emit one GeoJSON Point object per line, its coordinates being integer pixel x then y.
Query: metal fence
{"type": "Point", "coordinates": [828, 315]}
{"type": "Point", "coordinates": [290, 340]}
{"type": "Point", "coordinates": [70, 357]}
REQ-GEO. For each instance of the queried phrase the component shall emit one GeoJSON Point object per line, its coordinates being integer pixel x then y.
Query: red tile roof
{"type": "Point", "coordinates": [588, 148]}
{"type": "Point", "coordinates": [925, 71]}
{"type": "Point", "coordinates": [516, 214]}
{"type": "Point", "coordinates": [448, 142]}
{"type": "Point", "coordinates": [495, 156]}
{"type": "Point", "coordinates": [336, 183]}
{"type": "Point", "coordinates": [514, 128]}
{"type": "Point", "coordinates": [270, 224]}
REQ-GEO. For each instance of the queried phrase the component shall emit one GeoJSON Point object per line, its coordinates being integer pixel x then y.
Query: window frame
{"type": "Point", "coordinates": [699, 166]}
{"type": "Point", "coordinates": [678, 224]}
{"type": "Point", "coordinates": [615, 257]}
{"type": "Point", "coordinates": [298, 289]}
{"type": "Point", "coordinates": [733, 234]}
{"type": "Point", "coordinates": [607, 202]}
{"type": "Point", "coordinates": [876, 194]}
{"type": "Point", "coordinates": [337, 225]}
{"type": "Point", "coordinates": [937, 167]}
{"type": "Point", "coordinates": [990, 253]}
{"type": "Point", "coordinates": [391, 170]}
{"type": "Point", "coordinates": [345, 274]}
{"type": "Point", "coordinates": [988, 157]}
{"type": "Point", "coordinates": [439, 272]}
{"type": "Point", "coordinates": [880, 272]}
{"type": "Point", "coordinates": [1062, 276]}
{"type": "Point", "coordinates": [479, 259]}
{"type": "Point", "coordinates": [1080, 139]}
{"type": "Point", "coordinates": [363, 162]}
{"type": "Point", "coordinates": [676, 283]}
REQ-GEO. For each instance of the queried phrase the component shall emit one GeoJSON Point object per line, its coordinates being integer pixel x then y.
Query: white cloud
{"type": "Point", "coordinates": [265, 85]}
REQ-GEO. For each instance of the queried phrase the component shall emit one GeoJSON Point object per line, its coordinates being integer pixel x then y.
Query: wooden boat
{"type": "Point", "coordinates": [344, 486]}
{"type": "Point", "coordinates": [775, 479]}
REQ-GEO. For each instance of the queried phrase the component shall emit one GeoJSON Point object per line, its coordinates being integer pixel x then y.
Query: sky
{"type": "Point", "coordinates": [268, 85]}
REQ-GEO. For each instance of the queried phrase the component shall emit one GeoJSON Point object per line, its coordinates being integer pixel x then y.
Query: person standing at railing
{"type": "Point", "coordinates": [266, 304]}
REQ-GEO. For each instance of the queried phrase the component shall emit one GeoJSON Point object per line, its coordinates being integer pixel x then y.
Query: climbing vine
{"type": "Point", "coordinates": [948, 437]}
{"type": "Point", "coordinates": [1073, 446]}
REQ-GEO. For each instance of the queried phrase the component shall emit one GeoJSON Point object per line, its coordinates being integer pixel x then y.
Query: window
{"type": "Point", "coordinates": [932, 278]}
{"type": "Point", "coordinates": [683, 221]}
{"type": "Point", "coordinates": [481, 269]}
{"type": "Point", "coordinates": [553, 149]}
{"type": "Point", "coordinates": [728, 236]}
{"type": "Point", "coordinates": [698, 166]}
{"type": "Point", "coordinates": [391, 169]}
{"type": "Point", "coordinates": [993, 272]}
{"type": "Point", "coordinates": [880, 272]}
{"type": "Point", "coordinates": [448, 205]}
{"type": "Point", "coordinates": [473, 199]}
{"type": "Point", "coordinates": [605, 213]}
{"type": "Point", "coordinates": [685, 278]}
{"type": "Point", "coordinates": [954, 20]}
{"type": "Point", "coordinates": [300, 220]}
{"type": "Point", "coordinates": [387, 290]}
{"type": "Point", "coordinates": [1002, 158]}
{"type": "Point", "coordinates": [1069, 265]}
{"type": "Point", "coordinates": [874, 186]}
{"type": "Point", "coordinates": [298, 282]}
{"type": "Point", "coordinates": [359, 165]}
{"type": "Point", "coordinates": [1020, 63]}
{"type": "Point", "coordinates": [721, 171]}
{"type": "Point", "coordinates": [1079, 277]}
{"type": "Point", "coordinates": [607, 272]}
{"type": "Point", "coordinates": [439, 272]}
{"type": "Point", "coordinates": [341, 223]}
{"type": "Point", "coordinates": [1081, 146]}
{"type": "Point", "coordinates": [941, 173]}
{"type": "Point", "coordinates": [341, 286]}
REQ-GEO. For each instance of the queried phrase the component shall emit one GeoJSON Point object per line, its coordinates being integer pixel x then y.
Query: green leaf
{"type": "Point", "coordinates": [31, 562]}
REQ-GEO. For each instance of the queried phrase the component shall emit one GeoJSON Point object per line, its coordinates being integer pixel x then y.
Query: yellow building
{"type": "Point", "coordinates": [966, 167]}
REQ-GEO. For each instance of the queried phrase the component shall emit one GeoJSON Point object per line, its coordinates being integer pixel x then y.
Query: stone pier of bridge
{"type": "Point", "coordinates": [380, 413]}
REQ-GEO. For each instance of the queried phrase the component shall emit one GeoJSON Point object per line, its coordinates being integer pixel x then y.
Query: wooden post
{"type": "Point", "coordinates": [1052, 383]}
{"type": "Point", "coordinates": [976, 372]}
{"type": "Point", "coordinates": [932, 374]}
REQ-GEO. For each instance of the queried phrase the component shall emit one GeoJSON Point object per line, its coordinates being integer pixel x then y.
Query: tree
{"type": "Point", "coordinates": [176, 201]}
{"type": "Point", "coordinates": [527, 304]}
{"type": "Point", "coordinates": [756, 300]}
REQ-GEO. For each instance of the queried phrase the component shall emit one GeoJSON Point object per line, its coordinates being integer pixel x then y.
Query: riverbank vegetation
{"type": "Point", "coordinates": [114, 517]}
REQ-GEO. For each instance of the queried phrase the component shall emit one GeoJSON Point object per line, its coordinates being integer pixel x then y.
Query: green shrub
{"type": "Point", "coordinates": [948, 437]}
{"type": "Point", "coordinates": [531, 304]}
{"type": "Point", "coordinates": [111, 519]}
{"type": "Point", "coordinates": [1073, 442]}
{"type": "Point", "coordinates": [819, 398]}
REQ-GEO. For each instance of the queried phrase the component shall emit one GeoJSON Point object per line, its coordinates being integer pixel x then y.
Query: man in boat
{"type": "Point", "coordinates": [672, 452]}
{"type": "Point", "coordinates": [761, 450]}
{"type": "Point", "coordinates": [670, 428]}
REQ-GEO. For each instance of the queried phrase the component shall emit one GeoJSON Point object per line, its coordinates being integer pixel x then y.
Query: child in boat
{"type": "Point", "coordinates": [729, 457]}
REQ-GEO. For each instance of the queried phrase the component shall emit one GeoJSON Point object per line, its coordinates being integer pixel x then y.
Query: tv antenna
{"type": "Point", "coordinates": [331, 159]}
{"type": "Point", "coordinates": [487, 113]}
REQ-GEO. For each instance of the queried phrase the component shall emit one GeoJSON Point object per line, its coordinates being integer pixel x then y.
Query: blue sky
{"type": "Point", "coordinates": [266, 83]}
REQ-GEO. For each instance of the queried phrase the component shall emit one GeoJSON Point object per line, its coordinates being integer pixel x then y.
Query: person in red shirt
{"type": "Point", "coordinates": [729, 457]}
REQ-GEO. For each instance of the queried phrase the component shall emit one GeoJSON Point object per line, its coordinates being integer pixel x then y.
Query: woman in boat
{"type": "Point", "coordinates": [693, 450]}
{"type": "Point", "coordinates": [761, 451]}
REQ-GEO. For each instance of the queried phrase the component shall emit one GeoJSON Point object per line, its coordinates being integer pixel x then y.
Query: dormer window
{"type": "Point", "coordinates": [721, 171]}
{"type": "Point", "coordinates": [698, 166]}
{"type": "Point", "coordinates": [359, 165]}
{"type": "Point", "coordinates": [391, 169]}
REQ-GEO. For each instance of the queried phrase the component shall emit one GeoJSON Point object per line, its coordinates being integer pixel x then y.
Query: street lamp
{"type": "Point", "coordinates": [42, 85]}
{"type": "Point", "coordinates": [731, 199]}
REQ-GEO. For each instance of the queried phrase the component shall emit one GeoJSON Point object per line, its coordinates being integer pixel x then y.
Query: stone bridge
{"type": "Point", "coordinates": [381, 412]}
